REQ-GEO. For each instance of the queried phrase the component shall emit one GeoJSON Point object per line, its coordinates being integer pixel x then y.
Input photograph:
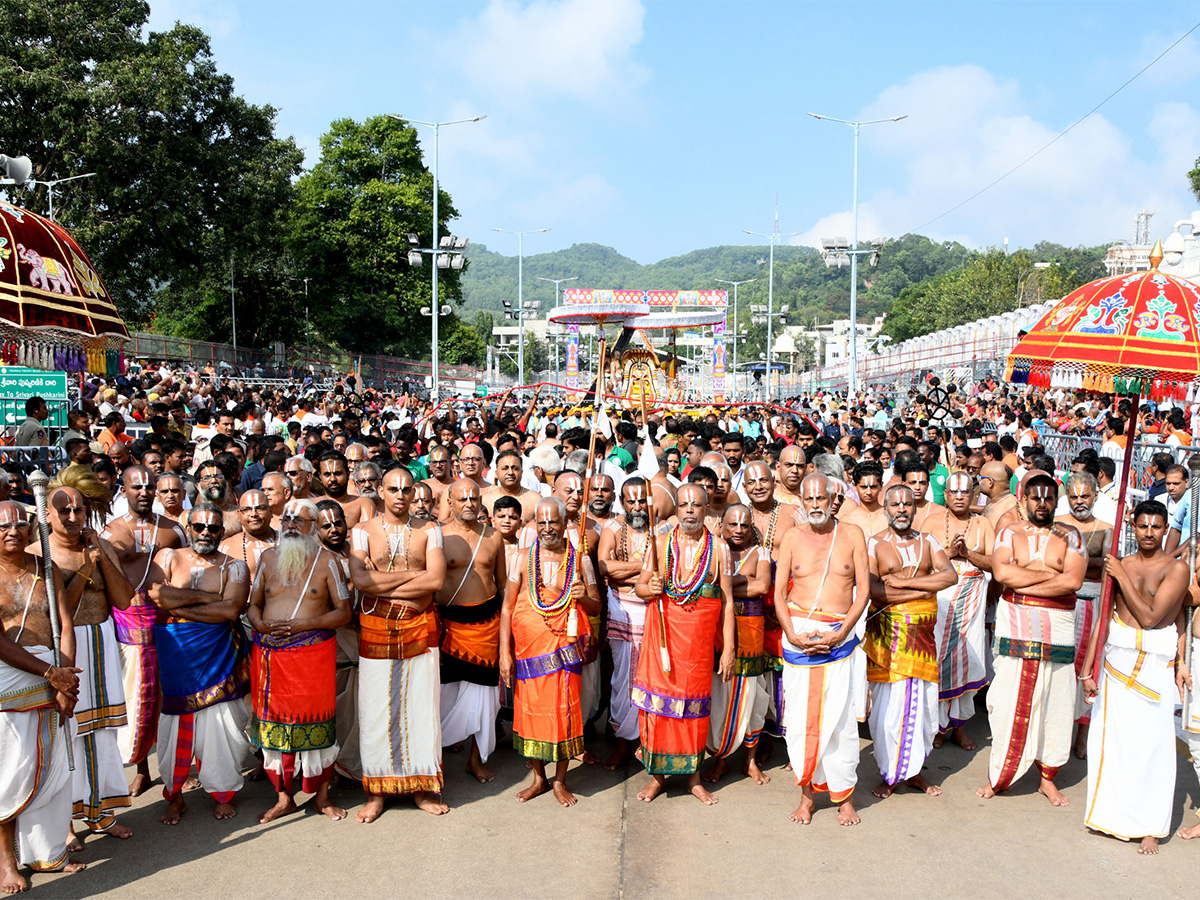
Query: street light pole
{"type": "Point", "coordinates": [852, 386]}
{"type": "Point", "coordinates": [772, 237]}
{"type": "Point", "coordinates": [735, 323]}
{"type": "Point", "coordinates": [50, 188]}
{"type": "Point", "coordinates": [307, 332]}
{"type": "Point", "coordinates": [232, 309]}
{"type": "Point", "coordinates": [557, 282]}
{"type": "Point", "coordinates": [434, 244]}
{"type": "Point", "coordinates": [521, 296]}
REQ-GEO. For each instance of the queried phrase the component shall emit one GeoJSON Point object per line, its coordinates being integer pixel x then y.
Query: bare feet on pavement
{"type": "Point", "coordinates": [175, 810]}
{"type": "Point", "coordinates": [371, 811]}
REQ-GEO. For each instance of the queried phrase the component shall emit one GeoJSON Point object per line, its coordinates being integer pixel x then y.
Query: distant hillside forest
{"type": "Point", "coordinates": [920, 285]}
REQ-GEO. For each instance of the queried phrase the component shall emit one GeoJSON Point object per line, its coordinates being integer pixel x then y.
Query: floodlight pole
{"type": "Point", "coordinates": [521, 297]}
{"type": "Point", "coordinates": [735, 324]}
{"type": "Point", "coordinates": [55, 181]}
{"type": "Point", "coordinates": [557, 282]}
{"type": "Point", "coordinates": [436, 126]}
{"type": "Point", "coordinates": [772, 237]}
{"type": "Point", "coordinates": [852, 384]}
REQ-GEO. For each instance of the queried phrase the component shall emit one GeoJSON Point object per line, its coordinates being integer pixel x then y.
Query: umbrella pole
{"type": "Point", "coordinates": [1106, 597]}
{"type": "Point", "coordinates": [652, 549]}
{"type": "Point", "coordinates": [1194, 509]}
{"type": "Point", "coordinates": [587, 483]}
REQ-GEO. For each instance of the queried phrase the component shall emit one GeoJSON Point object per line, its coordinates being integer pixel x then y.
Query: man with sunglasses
{"type": "Point", "coordinates": [398, 564]}
{"type": "Point", "coordinates": [137, 536]}
{"type": "Point", "coordinates": [300, 472]}
{"type": "Point", "coordinates": [204, 671]}
{"type": "Point", "coordinates": [257, 534]}
{"type": "Point", "coordinates": [214, 489]}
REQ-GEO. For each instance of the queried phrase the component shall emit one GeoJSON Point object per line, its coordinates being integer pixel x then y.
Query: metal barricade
{"type": "Point", "coordinates": [48, 459]}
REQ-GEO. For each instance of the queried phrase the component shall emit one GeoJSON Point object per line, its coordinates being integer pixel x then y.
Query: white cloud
{"type": "Point", "coordinates": [218, 19]}
{"type": "Point", "coordinates": [967, 129]}
{"type": "Point", "coordinates": [580, 49]}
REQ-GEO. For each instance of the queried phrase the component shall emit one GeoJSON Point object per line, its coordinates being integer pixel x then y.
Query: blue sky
{"type": "Point", "coordinates": [663, 127]}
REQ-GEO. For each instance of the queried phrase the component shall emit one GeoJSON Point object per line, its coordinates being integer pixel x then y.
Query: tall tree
{"type": "Point", "coordinates": [186, 170]}
{"type": "Point", "coordinates": [370, 189]}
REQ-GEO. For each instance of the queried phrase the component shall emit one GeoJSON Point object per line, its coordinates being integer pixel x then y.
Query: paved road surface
{"type": "Point", "coordinates": [612, 845]}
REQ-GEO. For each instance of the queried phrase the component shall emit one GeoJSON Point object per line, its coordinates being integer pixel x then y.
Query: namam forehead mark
{"type": "Point", "coordinates": [814, 488]}
{"type": "Point", "coordinates": [297, 509]}
{"type": "Point", "coordinates": [791, 455]}
{"type": "Point", "coordinates": [758, 468]}
{"type": "Point", "coordinates": [11, 513]}
{"type": "Point", "coordinates": [1041, 492]}
{"type": "Point", "coordinates": [634, 492]}
{"type": "Point", "coordinates": [137, 476]}
{"type": "Point", "coordinates": [547, 514]}
{"type": "Point", "coordinates": [701, 496]}
{"type": "Point", "coordinates": [327, 516]}
{"type": "Point", "coordinates": [959, 481]}
{"type": "Point", "coordinates": [465, 490]}
{"type": "Point", "coordinates": [253, 498]}
{"type": "Point", "coordinates": [468, 454]}
{"type": "Point", "coordinates": [897, 489]}
{"type": "Point", "coordinates": [737, 515]}
{"type": "Point", "coordinates": [439, 454]}
{"type": "Point", "coordinates": [167, 478]}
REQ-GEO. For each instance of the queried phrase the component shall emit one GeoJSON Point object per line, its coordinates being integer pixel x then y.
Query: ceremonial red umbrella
{"type": "Point", "coordinates": [1126, 334]}
{"type": "Point", "coordinates": [49, 286]}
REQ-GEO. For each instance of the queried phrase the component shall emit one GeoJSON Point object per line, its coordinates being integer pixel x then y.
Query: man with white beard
{"type": "Point", "coordinates": [622, 555]}
{"type": "Point", "coordinates": [298, 599]}
{"type": "Point", "coordinates": [367, 477]}
{"type": "Point", "coordinates": [204, 672]}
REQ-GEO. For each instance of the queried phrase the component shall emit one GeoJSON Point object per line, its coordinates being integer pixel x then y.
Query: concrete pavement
{"type": "Point", "coordinates": [613, 846]}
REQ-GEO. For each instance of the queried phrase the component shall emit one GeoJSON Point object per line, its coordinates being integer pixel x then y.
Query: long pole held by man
{"type": "Point", "coordinates": [37, 483]}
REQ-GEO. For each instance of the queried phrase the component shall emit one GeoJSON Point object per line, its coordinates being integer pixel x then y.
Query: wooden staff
{"type": "Point", "coordinates": [37, 483]}
{"type": "Point", "coordinates": [664, 653]}
{"type": "Point", "coordinates": [1194, 509]}
{"type": "Point", "coordinates": [1106, 594]}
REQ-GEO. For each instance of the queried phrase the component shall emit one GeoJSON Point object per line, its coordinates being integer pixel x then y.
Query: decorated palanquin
{"type": "Point", "coordinates": [55, 312]}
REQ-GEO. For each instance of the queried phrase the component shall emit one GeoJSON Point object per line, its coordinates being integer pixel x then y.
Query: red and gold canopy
{"type": "Point", "coordinates": [49, 287]}
{"type": "Point", "coordinates": [1131, 334]}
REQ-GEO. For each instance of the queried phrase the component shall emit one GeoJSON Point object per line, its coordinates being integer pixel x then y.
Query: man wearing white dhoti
{"type": "Point", "coordinates": [35, 783]}
{"type": "Point", "coordinates": [1131, 745]}
{"type": "Point", "coordinates": [1031, 701]}
{"type": "Point", "coordinates": [821, 591]}
{"type": "Point", "coordinates": [398, 565]}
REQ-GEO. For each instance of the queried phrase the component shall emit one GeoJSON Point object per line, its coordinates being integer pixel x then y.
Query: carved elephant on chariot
{"type": "Point", "coordinates": [47, 273]}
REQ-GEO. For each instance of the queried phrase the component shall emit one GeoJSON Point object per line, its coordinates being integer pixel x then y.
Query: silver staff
{"type": "Point", "coordinates": [37, 483]}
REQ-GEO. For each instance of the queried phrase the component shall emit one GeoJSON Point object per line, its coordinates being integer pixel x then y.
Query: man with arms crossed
{"type": "Point", "coordinates": [399, 565]}
{"type": "Point", "coordinates": [1031, 701]}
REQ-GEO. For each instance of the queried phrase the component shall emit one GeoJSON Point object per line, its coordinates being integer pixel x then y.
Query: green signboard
{"type": "Point", "coordinates": [19, 383]}
{"type": "Point", "coordinates": [481, 391]}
